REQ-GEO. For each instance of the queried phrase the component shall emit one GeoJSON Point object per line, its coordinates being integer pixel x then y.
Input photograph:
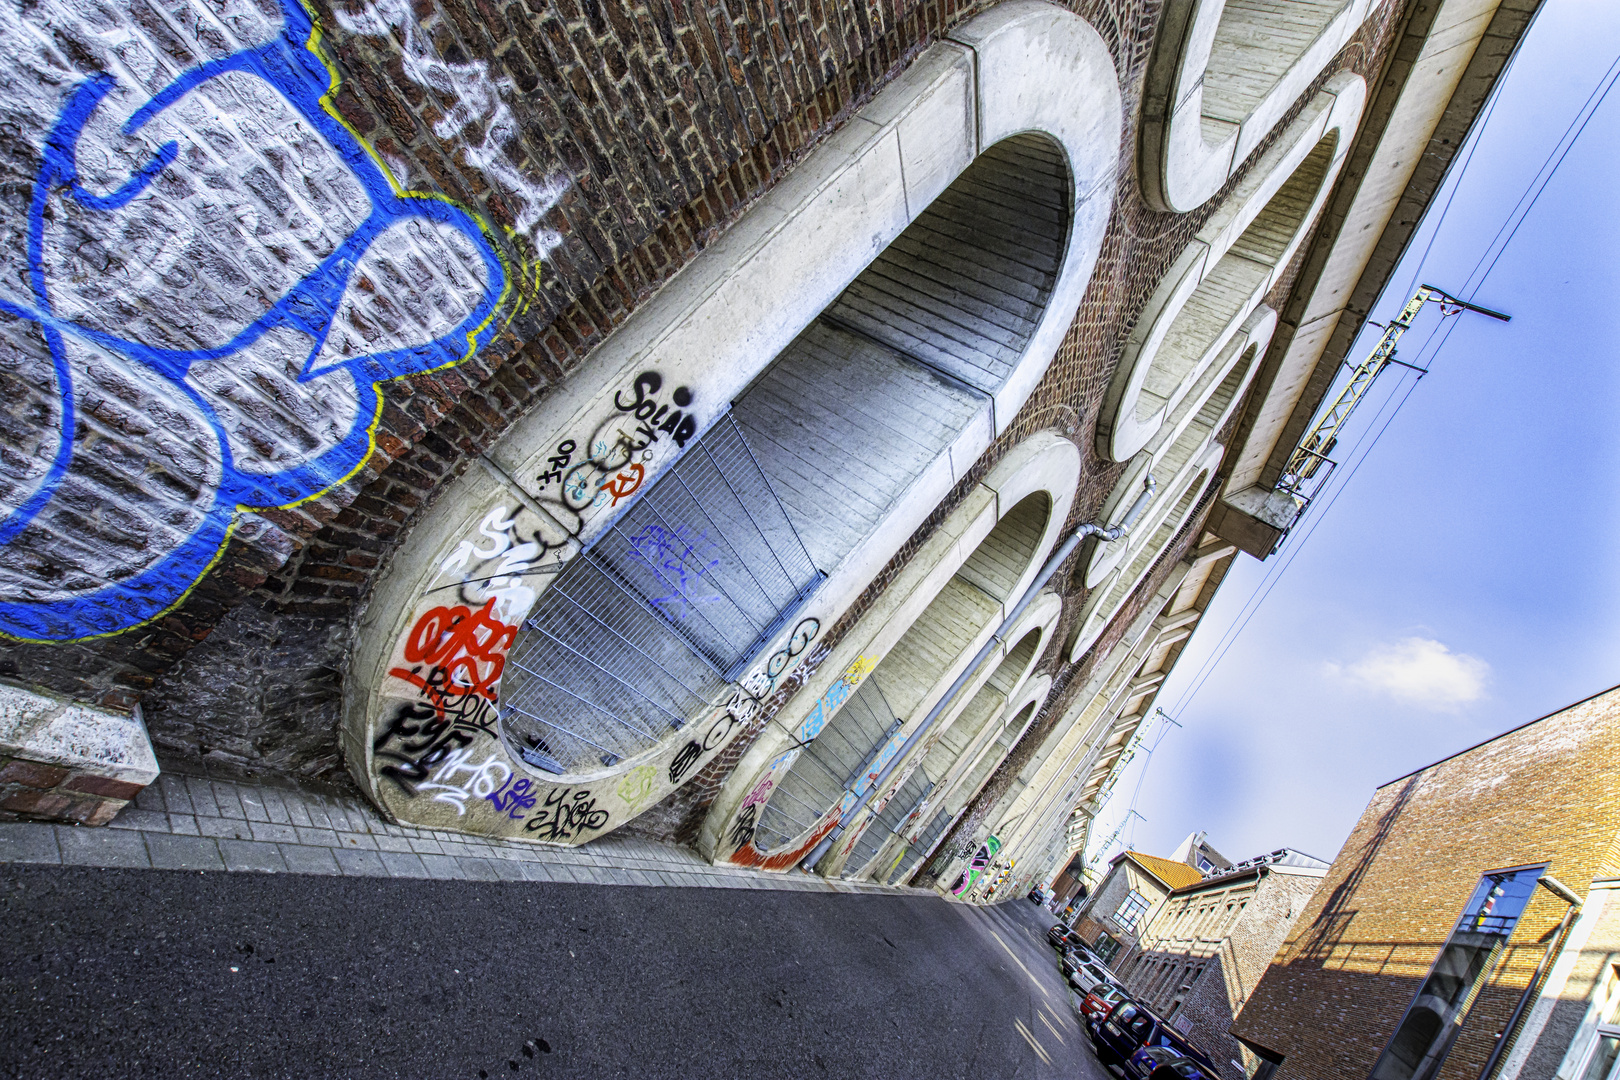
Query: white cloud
{"type": "Point", "coordinates": [1419, 671]}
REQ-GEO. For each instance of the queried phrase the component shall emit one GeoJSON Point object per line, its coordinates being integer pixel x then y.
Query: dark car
{"type": "Point", "coordinates": [1131, 1027]}
{"type": "Point", "coordinates": [1061, 935]}
{"type": "Point", "coordinates": [1163, 1063]}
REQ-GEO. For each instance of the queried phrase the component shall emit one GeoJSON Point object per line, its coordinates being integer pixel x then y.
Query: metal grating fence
{"type": "Point", "coordinates": [828, 766]}
{"type": "Point", "coordinates": [666, 608]}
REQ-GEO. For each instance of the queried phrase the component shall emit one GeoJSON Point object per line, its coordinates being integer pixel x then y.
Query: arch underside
{"type": "Point", "coordinates": [677, 598]}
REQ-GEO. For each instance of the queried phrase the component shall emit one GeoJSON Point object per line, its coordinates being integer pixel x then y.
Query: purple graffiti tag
{"type": "Point", "coordinates": [515, 798]}
{"type": "Point", "coordinates": [673, 556]}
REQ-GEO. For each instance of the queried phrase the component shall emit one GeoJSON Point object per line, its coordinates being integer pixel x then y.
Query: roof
{"type": "Point", "coordinates": [1177, 875]}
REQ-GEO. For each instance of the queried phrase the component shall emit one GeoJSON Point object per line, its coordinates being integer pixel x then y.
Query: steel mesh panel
{"type": "Point", "coordinates": [878, 832]}
{"type": "Point", "coordinates": [818, 778]}
{"type": "Point", "coordinates": [710, 548]}
{"type": "Point", "coordinates": [640, 632]}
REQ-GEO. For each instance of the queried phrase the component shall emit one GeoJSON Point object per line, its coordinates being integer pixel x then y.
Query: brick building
{"type": "Point", "coordinates": [554, 418]}
{"type": "Point", "coordinates": [1126, 901]}
{"type": "Point", "coordinates": [1209, 943]}
{"type": "Point", "coordinates": [1464, 929]}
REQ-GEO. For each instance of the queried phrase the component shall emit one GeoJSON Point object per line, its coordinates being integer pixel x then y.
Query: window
{"type": "Point", "coordinates": [1431, 1024]}
{"type": "Point", "coordinates": [1106, 947]}
{"type": "Point", "coordinates": [1602, 1055]}
{"type": "Point", "coordinates": [1130, 910]}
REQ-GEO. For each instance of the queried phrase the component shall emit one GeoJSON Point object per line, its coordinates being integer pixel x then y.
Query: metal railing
{"type": "Point", "coordinates": [817, 780]}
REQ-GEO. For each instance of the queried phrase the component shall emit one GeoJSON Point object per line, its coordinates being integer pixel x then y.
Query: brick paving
{"type": "Point", "coordinates": [185, 822]}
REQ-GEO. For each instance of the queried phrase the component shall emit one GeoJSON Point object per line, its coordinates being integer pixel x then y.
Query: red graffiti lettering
{"type": "Point", "coordinates": [467, 648]}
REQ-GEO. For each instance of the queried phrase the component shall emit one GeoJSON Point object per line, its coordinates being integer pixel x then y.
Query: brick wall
{"type": "Point", "coordinates": [1233, 957]}
{"type": "Point", "coordinates": [1546, 792]}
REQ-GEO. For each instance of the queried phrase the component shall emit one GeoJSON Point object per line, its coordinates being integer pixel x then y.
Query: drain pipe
{"type": "Point", "coordinates": [1107, 534]}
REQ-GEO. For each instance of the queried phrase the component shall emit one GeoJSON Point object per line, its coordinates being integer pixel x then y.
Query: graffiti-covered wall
{"type": "Point", "coordinates": [362, 359]}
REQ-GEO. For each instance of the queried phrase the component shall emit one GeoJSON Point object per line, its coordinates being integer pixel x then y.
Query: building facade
{"type": "Point", "coordinates": [1465, 928]}
{"type": "Point", "coordinates": [566, 418]}
{"type": "Point", "coordinates": [1126, 902]}
{"type": "Point", "coordinates": [1211, 942]}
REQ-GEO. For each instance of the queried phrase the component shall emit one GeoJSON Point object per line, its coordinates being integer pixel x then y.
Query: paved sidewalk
{"type": "Point", "coordinates": [185, 822]}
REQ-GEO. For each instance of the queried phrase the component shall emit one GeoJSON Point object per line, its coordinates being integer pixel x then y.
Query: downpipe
{"type": "Point", "coordinates": [1107, 534]}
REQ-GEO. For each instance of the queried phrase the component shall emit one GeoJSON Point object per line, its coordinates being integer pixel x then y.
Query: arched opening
{"type": "Point", "coordinates": [930, 781]}
{"type": "Point", "coordinates": [1256, 43]}
{"type": "Point", "coordinates": [906, 680]}
{"type": "Point", "coordinates": [653, 621]}
{"type": "Point", "coordinates": [1202, 325]}
{"type": "Point", "coordinates": [1106, 599]}
{"type": "Point", "coordinates": [1191, 444]}
{"type": "Point", "coordinates": [1223, 74]}
{"type": "Point", "coordinates": [1003, 736]}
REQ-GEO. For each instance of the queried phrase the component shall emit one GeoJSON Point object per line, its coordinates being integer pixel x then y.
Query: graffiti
{"type": "Point", "coordinates": [637, 786]}
{"type": "Point", "coordinates": [625, 484]}
{"type": "Point", "coordinates": [803, 634]}
{"type": "Point", "coordinates": [684, 759]}
{"type": "Point", "coordinates": [761, 792]}
{"type": "Point", "coordinates": [483, 780]}
{"type": "Point", "coordinates": [673, 556]}
{"type": "Point", "coordinates": [478, 103]}
{"type": "Point", "coordinates": [835, 696]}
{"type": "Point", "coordinates": [427, 734]}
{"type": "Point", "coordinates": [614, 468]}
{"type": "Point", "coordinates": [565, 814]}
{"type": "Point", "coordinates": [742, 831]}
{"type": "Point", "coordinates": [976, 866]}
{"type": "Point", "coordinates": [658, 419]}
{"type": "Point", "coordinates": [147, 194]}
{"type": "Point", "coordinates": [466, 651]}
{"type": "Point", "coordinates": [515, 798]}
{"type": "Point", "coordinates": [558, 462]}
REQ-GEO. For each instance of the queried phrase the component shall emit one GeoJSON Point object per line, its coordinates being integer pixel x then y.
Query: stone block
{"type": "Point", "coordinates": [184, 852]}
{"type": "Point", "coordinates": [104, 786]}
{"type": "Point", "coordinates": [32, 774]}
{"type": "Point", "coordinates": [25, 842]}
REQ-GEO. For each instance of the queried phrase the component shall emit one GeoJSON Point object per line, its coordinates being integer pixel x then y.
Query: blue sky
{"type": "Point", "coordinates": [1462, 583]}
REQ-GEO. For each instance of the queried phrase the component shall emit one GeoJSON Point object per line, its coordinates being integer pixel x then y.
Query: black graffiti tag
{"type": "Point", "coordinates": [683, 761]}
{"type": "Point", "coordinates": [565, 814]}
{"type": "Point", "coordinates": [743, 831]}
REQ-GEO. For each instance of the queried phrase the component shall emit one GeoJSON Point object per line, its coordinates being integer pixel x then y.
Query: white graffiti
{"type": "Point", "coordinates": [513, 598]}
{"type": "Point", "coordinates": [478, 101]}
{"type": "Point", "coordinates": [482, 780]}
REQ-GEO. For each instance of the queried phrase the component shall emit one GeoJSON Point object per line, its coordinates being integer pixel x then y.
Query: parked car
{"type": "Point", "coordinates": [1163, 1063]}
{"type": "Point", "coordinates": [1086, 976]}
{"type": "Point", "coordinates": [1061, 935]}
{"type": "Point", "coordinates": [1073, 958]}
{"type": "Point", "coordinates": [1100, 1001]}
{"type": "Point", "coordinates": [1131, 1027]}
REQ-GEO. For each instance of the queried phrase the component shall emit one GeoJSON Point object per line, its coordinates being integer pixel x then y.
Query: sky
{"type": "Point", "coordinates": [1460, 582]}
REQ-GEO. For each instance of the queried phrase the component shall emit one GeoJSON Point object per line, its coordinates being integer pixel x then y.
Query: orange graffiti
{"type": "Point", "coordinates": [466, 651]}
{"type": "Point", "coordinates": [748, 855]}
{"type": "Point", "coordinates": [624, 484]}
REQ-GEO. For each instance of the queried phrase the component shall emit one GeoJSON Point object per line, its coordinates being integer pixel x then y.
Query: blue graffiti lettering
{"type": "Point", "coordinates": [343, 340]}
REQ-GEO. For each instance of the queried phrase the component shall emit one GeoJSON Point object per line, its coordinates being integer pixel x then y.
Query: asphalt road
{"type": "Point", "coordinates": [132, 973]}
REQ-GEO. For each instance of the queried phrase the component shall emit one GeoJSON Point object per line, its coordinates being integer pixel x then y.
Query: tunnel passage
{"type": "Point", "coordinates": [676, 599]}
